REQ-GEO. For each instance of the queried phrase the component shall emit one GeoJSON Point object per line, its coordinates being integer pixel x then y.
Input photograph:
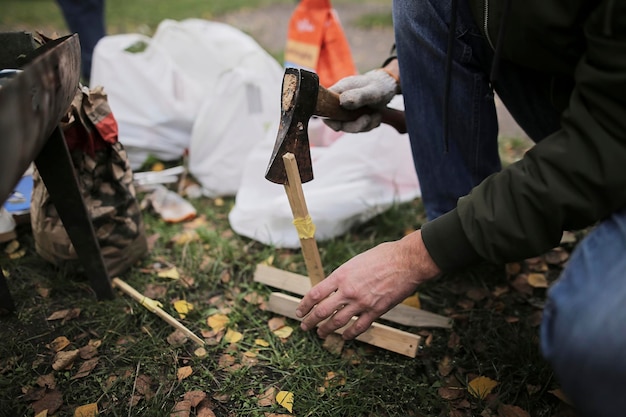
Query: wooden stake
{"type": "Point", "coordinates": [154, 306]}
{"type": "Point", "coordinates": [302, 220]}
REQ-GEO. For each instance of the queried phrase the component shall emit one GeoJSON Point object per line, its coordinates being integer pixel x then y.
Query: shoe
{"type": "Point", "coordinates": [7, 226]}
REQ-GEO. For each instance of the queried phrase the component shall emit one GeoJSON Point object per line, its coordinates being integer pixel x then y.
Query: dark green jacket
{"type": "Point", "coordinates": [572, 178]}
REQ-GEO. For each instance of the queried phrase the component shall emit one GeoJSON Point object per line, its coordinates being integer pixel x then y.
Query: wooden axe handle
{"type": "Point", "coordinates": [302, 220]}
{"type": "Point", "coordinates": [328, 106]}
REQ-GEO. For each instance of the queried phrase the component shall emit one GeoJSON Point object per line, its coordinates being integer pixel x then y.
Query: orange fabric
{"type": "Point", "coordinates": [316, 41]}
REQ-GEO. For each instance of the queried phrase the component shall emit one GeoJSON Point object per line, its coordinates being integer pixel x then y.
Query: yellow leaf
{"type": "Point", "coordinates": [13, 246]}
{"type": "Point", "coordinates": [233, 336]}
{"type": "Point", "coordinates": [413, 301]}
{"type": "Point", "coordinates": [268, 261]}
{"type": "Point", "coordinates": [285, 399]}
{"type": "Point", "coordinates": [17, 254]}
{"type": "Point", "coordinates": [250, 354]}
{"type": "Point", "coordinates": [43, 413]}
{"type": "Point", "coordinates": [537, 281]}
{"type": "Point", "coordinates": [87, 410]}
{"type": "Point", "coordinates": [284, 332]}
{"type": "Point", "coordinates": [219, 202]}
{"type": "Point", "coordinates": [200, 352]}
{"type": "Point", "coordinates": [171, 273]}
{"type": "Point", "coordinates": [184, 372]}
{"type": "Point", "coordinates": [261, 342]}
{"type": "Point", "coordinates": [481, 386]}
{"type": "Point", "coordinates": [217, 322]}
{"type": "Point", "coordinates": [183, 307]}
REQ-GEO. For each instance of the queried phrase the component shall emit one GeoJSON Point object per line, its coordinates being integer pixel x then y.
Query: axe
{"type": "Point", "coordinates": [290, 164]}
{"type": "Point", "coordinates": [302, 98]}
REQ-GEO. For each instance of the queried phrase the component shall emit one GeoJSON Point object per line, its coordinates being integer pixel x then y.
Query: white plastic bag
{"type": "Point", "coordinates": [154, 101]}
{"type": "Point", "coordinates": [230, 123]}
{"type": "Point", "coordinates": [356, 177]}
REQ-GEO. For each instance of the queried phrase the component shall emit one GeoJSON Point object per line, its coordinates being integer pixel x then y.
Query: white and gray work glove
{"type": "Point", "coordinates": [374, 89]}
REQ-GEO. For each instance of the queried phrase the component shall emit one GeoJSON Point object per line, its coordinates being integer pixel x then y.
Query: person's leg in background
{"type": "Point", "coordinates": [421, 34]}
{"type": "Point", "coordinates": [85, 17]}
{"type": "Point", "coordinates": [583, 333]}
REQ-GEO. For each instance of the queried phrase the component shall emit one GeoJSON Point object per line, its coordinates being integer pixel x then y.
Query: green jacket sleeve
{"type": "Point", "coordinates": [570, 180]}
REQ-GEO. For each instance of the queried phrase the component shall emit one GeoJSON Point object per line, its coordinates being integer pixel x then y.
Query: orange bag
{"type": "Point", "coordinates": [316, 42]}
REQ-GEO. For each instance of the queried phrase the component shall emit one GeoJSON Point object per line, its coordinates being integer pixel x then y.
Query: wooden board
{"type": "Point", "coordinates": [378, 335]}
{"type": "Point", "coordinates": [300, 285]}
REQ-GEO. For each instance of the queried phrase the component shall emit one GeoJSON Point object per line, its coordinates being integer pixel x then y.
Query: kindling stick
{"type": "Point", "coordinates": [155, 307]}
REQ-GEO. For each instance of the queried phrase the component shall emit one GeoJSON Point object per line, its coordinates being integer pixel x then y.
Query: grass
{"type": "Point", "coordinates": [218, 270]}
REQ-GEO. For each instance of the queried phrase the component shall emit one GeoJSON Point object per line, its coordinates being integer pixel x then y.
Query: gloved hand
{"type": "Point", "coordinates": [375, 88]}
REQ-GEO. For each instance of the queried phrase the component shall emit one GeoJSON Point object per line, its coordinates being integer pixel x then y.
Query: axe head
{"type": "Point", "coordinates": [299, 98]}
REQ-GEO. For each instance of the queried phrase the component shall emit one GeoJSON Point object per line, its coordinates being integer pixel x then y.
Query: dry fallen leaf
{"type": "Point", "coordinates": [481, 386]}
{"type": "Point", "coordinates": [537, 280]}
{"type": "Point", "coordinates": [171, 273]}
{"type": "Point", "coordinates": [334, 343]}
{"type": "Point", "coordinates": [195, 397]}
{"type": "Point", "coordinates": [217, 322]}
{"type": "Point", "coordinates": [200, 352]}
{"type": "Point", "coordinates": [63, 360]}
{"type": "Point", "coordinates": [183, 308]}
{"type": "Point", "coordinates": [558, 393]}
{"type": "Point", "coordinates": [67, 314]}
{"type": "Point", "coordinates": [181, 409]}
{"type": "Point", "coordinates": [87, 410]}
{"type": "Point", "coordinates": [413, 301]}
{"type": "Point", "coordinates": [85, 368]}
{"type": "Point", "coordinates": [505, 410]}
{"type": "Point", "coordinates": [233, 336]}
{"type": "Point", "coordinates": [267, 398]}
{"type": "Point", "coordinates": [285, 399]}
{"type": "Point", "coordinates": [276, 323]}
{"type": "Point", "coordinates": [184, 372]}
{"type": "Point", "coordinates": [261, 342]}
{"type": "Point", "coordinates": [59, 343]}
{"type": "Point", "coordinates": [284, 332]}
{"type": "Point", "coordinates": [51, 402]}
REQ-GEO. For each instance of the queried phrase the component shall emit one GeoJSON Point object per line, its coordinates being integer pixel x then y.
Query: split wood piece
{"type": "Point", "coordinates": [302, 220]}
{"type": "Point", "coordinates": [299, 284]}
{"type": "Point", "coordinates": [154, 306]}
{"type": "Point", "coordinates": [378, 335]}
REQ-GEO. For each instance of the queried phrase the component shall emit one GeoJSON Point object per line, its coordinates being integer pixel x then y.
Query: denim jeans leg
{"type": "Point", "coordinates": [583, 333]}
{"type": "Point", "coordinates": [421, 34]}
{"type": "Point", "coordinates": [85, 17]}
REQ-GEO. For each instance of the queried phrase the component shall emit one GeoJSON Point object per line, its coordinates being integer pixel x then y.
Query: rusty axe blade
{"type": "Point", "coordinates": [299, 98]}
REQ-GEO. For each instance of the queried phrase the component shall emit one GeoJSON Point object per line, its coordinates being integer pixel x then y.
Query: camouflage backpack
{"type": "Point", "coordinates": [106, 182]}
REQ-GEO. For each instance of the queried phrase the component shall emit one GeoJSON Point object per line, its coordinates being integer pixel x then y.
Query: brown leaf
{"type": "Point", "coordinates": [87, 410]}
{"type": "Point", "coordinates": [47, 381]}
{"type": "Point", "coordinates": [558, 393]}
{"type": "Point", "coordinates": [143, 385]}
{"type": "Point", "coordinates": [276, 323]}
{"type": "Point", "coordinates": [59, 343]}
{"type": "Point", "coordinates": [195, 397]}
{"type": "Point", "coordinates": [155, 291]}
{"type": "Point", "coordinates": [445, 366]}
{"type": "Point", "coordinates": [451, 393]}
{"type": "Point", "coordinates": [556, 256]}
{"type": "Point", "coordinates": [226, 360]}
{"type": "Point", "coordinates": [86, 368]}
{"type": "Point", "coordinates": [267, 398]}
{"type": "Point", "coordinates": [204, 411]}
{"type": "Point", "coordinates": [65, 359]}
{"type": "Point", "coordinates": [184, 372]}
{"type": "Point", "coordinates": [65, 315]}
{"type": "Point", "coordinates": [51, 401]}
{"type": "Point", "coordinates": [33, 394]}
{"type": "Point", "coordinates": [88, 351]}
{"type": "Point", "coordinates": [181, 409]}
{"type": "Point", "coordinates": [177, 338]}
{"type": "Point", "coordinates": [537, 280]}
{"type": "Point", "coordinates": [334, 343]}
{"type": "Point", "coordinates": [477, 294]}
{"type": "Point", "coordinates": [505, 410]}
{"type": "Point", "coordinates": [520, 284]}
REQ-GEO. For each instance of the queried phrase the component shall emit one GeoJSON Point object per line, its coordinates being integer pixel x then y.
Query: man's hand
{"type": "Point", "coordinates": [367, 286]}
{"type": "Point", "coordinates": [375, 88]}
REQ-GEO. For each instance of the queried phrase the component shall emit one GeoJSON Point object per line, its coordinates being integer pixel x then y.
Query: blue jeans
{"type": "Point", "coordinates": [85, 17]}
{"type": "Point", "coordinates": [584, 327]}
{"type": "Point", "coordinates": [421, 33]}
{"type": "Point", "coordinates": [583, 334]}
